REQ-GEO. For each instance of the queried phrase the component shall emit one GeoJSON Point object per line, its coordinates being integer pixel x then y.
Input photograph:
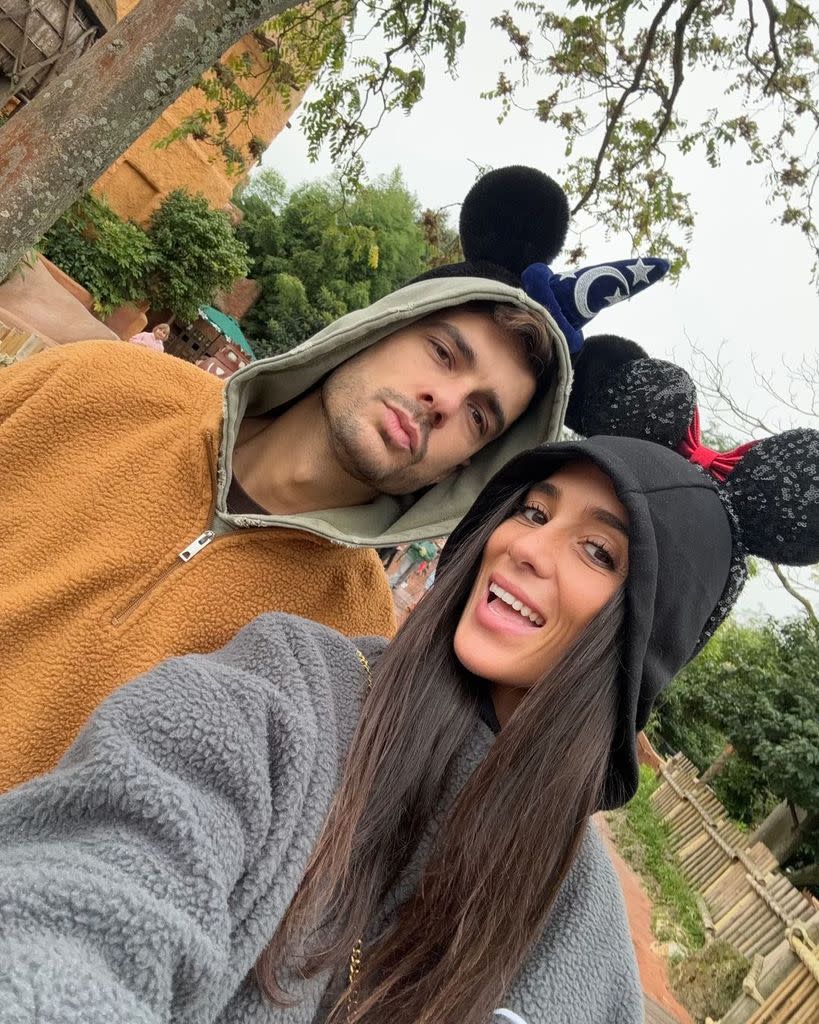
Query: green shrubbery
{"type": "Point", "coordinates": [187, 253]}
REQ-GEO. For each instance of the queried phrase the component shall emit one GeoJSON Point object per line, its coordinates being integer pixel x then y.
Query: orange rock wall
{"type": "Point", "coordinates": [138, 181]}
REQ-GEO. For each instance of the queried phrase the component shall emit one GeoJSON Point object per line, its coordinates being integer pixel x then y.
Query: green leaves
{"type": "Point", "coordinates": [108, 256]}
{"type": "Point", "coordinates": [188, 253]}
{"type": "Point", "coordinates": [319, 253]}
{"type": "Point", "coordinates": [197, 254]}
{"type": "Point", "coordinates": [618, 76]}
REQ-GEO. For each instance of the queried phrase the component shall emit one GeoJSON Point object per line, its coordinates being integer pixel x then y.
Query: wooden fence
{"type": "Point", "coordinates": [17, 344]}
{"type": "Point", "coordinates": [745, 900]}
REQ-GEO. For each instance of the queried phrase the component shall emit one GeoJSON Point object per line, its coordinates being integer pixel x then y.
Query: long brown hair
{"type": "Point", "coordinates": [499, 860]}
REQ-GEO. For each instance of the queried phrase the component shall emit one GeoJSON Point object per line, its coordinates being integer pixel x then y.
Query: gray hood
{"type": "Point", "coordinates": [270, 383]}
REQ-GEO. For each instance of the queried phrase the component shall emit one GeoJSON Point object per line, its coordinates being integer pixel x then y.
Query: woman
{"type": "Point", "coordinates": [303, 829]}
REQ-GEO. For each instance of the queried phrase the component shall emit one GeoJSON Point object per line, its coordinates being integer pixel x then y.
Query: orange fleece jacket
{"type": "Point", "coordinates": [104, 479]}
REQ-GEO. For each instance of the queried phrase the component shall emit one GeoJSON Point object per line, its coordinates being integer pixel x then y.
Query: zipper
{"type": "Point", "coordinates": [187, 553]}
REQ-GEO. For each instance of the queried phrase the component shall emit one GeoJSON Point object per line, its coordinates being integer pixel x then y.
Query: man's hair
{"type": "Point", "coordinates": [530, 328]}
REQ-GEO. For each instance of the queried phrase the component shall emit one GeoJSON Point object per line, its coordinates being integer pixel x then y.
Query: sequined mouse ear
{"type": "Point", "coordinates": [619, 390]}
{"type": "Point", "coordinates": [774, 492]}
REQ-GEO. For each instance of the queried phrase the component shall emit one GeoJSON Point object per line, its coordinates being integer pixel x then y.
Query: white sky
{"type": "Point", "coordinates": [748, 287]}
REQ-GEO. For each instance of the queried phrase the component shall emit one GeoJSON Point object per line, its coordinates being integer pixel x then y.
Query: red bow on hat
{"type": "Point", "coordinates": [718, 464]}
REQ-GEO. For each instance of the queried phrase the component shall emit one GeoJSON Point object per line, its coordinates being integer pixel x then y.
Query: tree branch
{"type": "Point", "coordinates": [795, 594]}
{"type": "Point", "coordinates": [677, 63]}
{"type": "Point", "coordinates": [621, 103]}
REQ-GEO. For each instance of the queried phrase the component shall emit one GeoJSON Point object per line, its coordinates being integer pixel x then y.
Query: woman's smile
{"type": "Point", "coordinates": [507, 609]}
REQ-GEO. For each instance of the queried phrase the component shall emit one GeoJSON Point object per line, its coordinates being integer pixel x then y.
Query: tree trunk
{"type": "Point", "coordinates": [57, 146]}
{"type": "Point", "coordinates": [719, 763]}
{"type": "Point", "coordinates": [783, 830]}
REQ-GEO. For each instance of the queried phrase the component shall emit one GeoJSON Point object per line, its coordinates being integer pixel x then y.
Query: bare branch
{"type": "Point", "coordinates": [677, 63]}
{"type": "Point", "coordinates": [617, 113]}
{"type": "Point", "coordinates": [795, 594]}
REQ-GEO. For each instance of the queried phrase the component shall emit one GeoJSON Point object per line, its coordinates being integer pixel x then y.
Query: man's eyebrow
{"type": "Point", "coordinates": [467, 353]}
{"type": "Point", "coordinates": [602, 515]}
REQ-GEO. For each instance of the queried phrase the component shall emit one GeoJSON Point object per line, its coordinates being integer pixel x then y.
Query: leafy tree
{"type": "Point", "coordinates": [318, 255]}
{"type": "Point", "coordinates": [614, 78]}
{"type": "Point", "coordinates": [108, 256]}
{"type": "Point", "coordinates": [756, 687]}
{"type": "Point", "coordinates": [614, 75]}
{"type": "Point", "coordinates": [197, 254]}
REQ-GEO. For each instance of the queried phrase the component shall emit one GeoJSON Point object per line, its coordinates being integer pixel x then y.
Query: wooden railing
{"type": "Point", "coordinates": [745, 900]}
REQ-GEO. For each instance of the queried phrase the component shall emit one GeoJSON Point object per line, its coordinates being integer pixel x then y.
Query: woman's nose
{"type": "Point", "coordinates": [534, 549]}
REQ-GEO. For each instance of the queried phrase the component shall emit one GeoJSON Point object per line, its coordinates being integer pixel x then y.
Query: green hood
{"type": "Point", "coordinates": [270, 383]}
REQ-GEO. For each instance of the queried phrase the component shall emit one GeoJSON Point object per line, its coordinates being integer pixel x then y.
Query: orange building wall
{"type": "Point", "coordinates": [138, 181]}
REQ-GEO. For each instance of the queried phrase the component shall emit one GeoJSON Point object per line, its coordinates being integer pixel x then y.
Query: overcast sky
{"type": "Point", "coordinates": [748, 287]}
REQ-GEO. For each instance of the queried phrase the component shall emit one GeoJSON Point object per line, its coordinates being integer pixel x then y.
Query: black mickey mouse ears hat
{"type": "Point", "coordinates": [513, 224]}
{"type": "Point", "coordinates": [694, 514]}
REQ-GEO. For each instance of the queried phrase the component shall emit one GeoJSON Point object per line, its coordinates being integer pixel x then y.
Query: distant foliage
{"type": "Point", "coordinates": [756, 687]}
{"type": "Point", "coordinates": [318, 254]}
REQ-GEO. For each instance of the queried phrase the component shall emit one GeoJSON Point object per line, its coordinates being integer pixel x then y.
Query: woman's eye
{"type": "Point", "coordinates": [599, 554]}
{"type": "Point", "coordinates": [533, 514]}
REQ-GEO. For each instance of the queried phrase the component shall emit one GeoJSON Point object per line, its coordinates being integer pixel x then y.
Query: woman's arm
{"type": "Point", "coordinates": [128, 874]}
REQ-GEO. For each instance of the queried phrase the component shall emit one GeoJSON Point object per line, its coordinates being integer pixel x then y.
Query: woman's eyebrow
{"type": "Point", "coordinates": [602, 515]}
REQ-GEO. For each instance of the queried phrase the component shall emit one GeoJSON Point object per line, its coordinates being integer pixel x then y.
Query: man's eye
{"type": "Point", "coordinates": [441, 351]}
{"type": "Point", "coordinates": [478, 418]}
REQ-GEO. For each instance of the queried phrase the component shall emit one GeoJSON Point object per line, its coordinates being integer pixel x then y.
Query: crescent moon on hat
{"type": "Point", "coordinates": [586, 280]}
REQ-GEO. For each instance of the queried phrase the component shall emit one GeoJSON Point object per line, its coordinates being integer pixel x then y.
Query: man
{"type": "Point", "coordinates": [149, 511]}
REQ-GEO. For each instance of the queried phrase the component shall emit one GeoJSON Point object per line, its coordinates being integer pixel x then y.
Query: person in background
{"type": "Point", "coordinates": [154, 339]}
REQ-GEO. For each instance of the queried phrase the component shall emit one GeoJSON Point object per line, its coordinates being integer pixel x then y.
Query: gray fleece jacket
{"type": "Point", "coordinates": [140, 880]}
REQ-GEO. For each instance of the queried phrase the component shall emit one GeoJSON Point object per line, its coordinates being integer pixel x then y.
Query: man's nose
{"type": "Point", "coordinates": [440, 404]}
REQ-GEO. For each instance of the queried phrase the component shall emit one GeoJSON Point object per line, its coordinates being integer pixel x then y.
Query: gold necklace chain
{"type": "Point", "coordinates": [355, 956]}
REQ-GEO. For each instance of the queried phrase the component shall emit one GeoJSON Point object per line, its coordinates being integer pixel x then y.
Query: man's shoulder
{"type": "Point", "coordinates": [119, 366]}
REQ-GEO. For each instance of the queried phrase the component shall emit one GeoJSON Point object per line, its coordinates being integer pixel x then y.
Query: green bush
{"type": "Point", "coordinates": [187, 255]}
{"type": "Point", "coordinates": [709, 980]}
{"type": "Point", "coordinates": [197, 254]}
{"type": "Point", "coordinates": [110, 257]}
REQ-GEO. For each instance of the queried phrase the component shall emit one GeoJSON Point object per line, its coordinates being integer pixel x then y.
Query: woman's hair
{"type": "Point", "coordinates": [506, 846]}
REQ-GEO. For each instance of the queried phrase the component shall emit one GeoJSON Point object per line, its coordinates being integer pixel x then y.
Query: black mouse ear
{"type": "Point", "coordinates": [774, 492]}
{"type": "Point", "coordinates": [597, 363]}
{"type": "Point", "coordinates": [619, 390]}
{"type": "Point", "coordinates": [513, 217]}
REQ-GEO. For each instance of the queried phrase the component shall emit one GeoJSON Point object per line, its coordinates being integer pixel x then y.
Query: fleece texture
{"type": "Point", "coordinates": [141, 879]}
{"type": "Point", "coordinates": [113, 459]}
{"type": "Point", "coordinates": [103, 482]}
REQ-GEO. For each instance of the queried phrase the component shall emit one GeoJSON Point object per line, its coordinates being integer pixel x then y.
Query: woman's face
{"type": "Point", "coordinates": [545, 573]}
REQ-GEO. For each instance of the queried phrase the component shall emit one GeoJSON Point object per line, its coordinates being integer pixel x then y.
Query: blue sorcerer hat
{"type": "Point", "coordinates": [513, 224]}
{"type": "Point", "coordinates": [574, 297]}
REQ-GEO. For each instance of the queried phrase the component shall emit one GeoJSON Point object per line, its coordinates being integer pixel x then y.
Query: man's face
{"type": "Point", "coordinates": [408, 410]}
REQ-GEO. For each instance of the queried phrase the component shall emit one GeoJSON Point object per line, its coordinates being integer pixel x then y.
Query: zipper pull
{"type": "Point", "coordinates": [196, 546]}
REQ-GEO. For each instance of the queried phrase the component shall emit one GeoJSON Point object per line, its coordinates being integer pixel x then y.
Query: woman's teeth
{"type": "Point", "coordinates": [515, 603]}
